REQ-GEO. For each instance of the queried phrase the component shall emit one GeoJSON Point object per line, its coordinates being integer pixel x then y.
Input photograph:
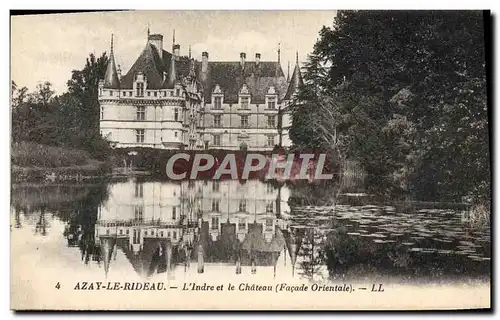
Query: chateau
{"type": "Point", "coordinates": [170, 101]}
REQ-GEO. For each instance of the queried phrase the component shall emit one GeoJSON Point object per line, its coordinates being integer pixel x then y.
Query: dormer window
{"type": "Point", "coordinates": [217, 102]}
{"type": "Point", "coordinates": [139, 89]}
{"type": "Point", "coordinates": [140, 84]}
{"type": "Point", "coordinates": [244, 97]}
{"type": "Point", "coordinates": [244, 101]}
{"type": "Point", "coordinates": [271, 103]}
{"type": "Point", "coordinates": [271, 98]}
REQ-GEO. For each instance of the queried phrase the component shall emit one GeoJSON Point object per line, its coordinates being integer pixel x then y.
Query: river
{"type": "Point", "coordinates": [138, 228]}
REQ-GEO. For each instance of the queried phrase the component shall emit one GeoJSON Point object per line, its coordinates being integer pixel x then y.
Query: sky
{"type": "Point", "coordinates": [48, 47]}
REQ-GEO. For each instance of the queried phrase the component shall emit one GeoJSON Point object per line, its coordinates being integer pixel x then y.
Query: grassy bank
{"type": "Point", "coordinates": [35, 161]}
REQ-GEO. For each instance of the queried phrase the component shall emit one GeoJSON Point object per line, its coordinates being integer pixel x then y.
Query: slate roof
{"type": "Point", "coordinates": [230, 76]}
{"type": "Point", "coordinates": [152, 66]}
{"type": "Point", "coordinates": [111, 77]}
{"type": "Point", "coordinates": [295, 82]}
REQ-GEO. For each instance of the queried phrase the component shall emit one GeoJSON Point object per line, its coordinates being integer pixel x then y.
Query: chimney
{"type": "Point", "coordinates": [257, 59]}
{"type": "Point", "coordinates": [177, 49]}
{"type": "Point", "coordinates": [157, 41]}
{"type": "Point", "coordinates": [204, 61]}
{"type": "Point", "coordinates": [243, 56]}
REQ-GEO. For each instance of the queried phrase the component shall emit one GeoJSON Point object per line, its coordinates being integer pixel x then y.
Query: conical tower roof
{"type": "Point", "coordinates": [108, 245]}
{"type": "Point", "coordinates": [111, 77]}
{"type": "Point", "coordinates": [295, 82]}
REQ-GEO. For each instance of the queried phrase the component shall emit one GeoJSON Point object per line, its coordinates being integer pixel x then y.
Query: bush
{"type": "Point", "coordinates": [479, 215]}
{"type": "Point", "coordinates": [29, 154]}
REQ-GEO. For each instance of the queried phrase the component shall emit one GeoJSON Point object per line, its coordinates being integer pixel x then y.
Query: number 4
{"type": "Point", "coordinates": [58, 285]}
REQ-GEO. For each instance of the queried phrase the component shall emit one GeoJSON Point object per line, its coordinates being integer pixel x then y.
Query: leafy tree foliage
{"type": "Point", "coordinates": [70, 119]}
{"type": "Point", "coordinates": [409, 90]}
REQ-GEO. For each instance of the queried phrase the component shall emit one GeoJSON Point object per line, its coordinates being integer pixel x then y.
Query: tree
{"type": "Point", "coordinates": [70, 119]}
{"type": "Point", "coordinates": [83, 85]}
{"type": "Point", "coordinates": [409, 89]}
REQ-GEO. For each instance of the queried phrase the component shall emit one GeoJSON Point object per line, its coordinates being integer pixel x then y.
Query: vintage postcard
{"type": "Point", "coordinates": [250, 160]}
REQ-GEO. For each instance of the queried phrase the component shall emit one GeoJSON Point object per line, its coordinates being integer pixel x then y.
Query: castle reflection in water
{"type": "Point", "coordinates": [161, 226]}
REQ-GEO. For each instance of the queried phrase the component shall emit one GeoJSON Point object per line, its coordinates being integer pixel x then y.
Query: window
{"type": "Point", "coordinates": [139, 89]}
{"type": "Point", "coordinates": [217, 102]}
{"type": "Point", "coordinates": [271, 121]}
{"type": "Point", "coordinates": [217, 121]}
{"type": "Point", "coordinates": [241, 224]}
{"type": "Point", "coordinates": [100, 92]}
{"type": "Point", "coordinates": [270, 188]}
{"type": "Point", "coordinates": [271, 103]}
{"type": "Point", "coordinates": [127, 231]}
{"type": "Point", "coordinates": [146, 233]}
{"type": "Point", "coordinates": [161, 234]}
{"type": "Point", "coordinates": [270, 141]}
{"type": "Point", "coordinates": [149, 93]}
{"type": "Point", "coordinates": [155, 94]}
{"type": "Point", "coordinates": [139, 190]}
{"type": "Point", "coordinates": [139, 135]}
{"type": "Point", "coordinates": [269, 207]}
{"type": "Point", "coordinates": [216, 139]}
{"type": "Point", "coordinates": [140, 113]}
{"type": "Point", "coordinates": [138, 213]}
{"type": "Point", "coordinates": [176, 114]}
{"type": "Point", "coordinates": [215, 186]}
{"type": "Point", "coordinates": [130, 94]}
{"type": "Point", "coordinates": [244, 102]}
{"type": "Point", "coordinates": [244, 121]}
{"type": "Point", "coordinates": [175, 134]}
{"type": "Point", "coordinates": [121, 231]}
{"type": "Point", "coordinates": [174, 213]}
{"type": "Point", "coordinates": [174, 235]}
{"type": "Point", "coordinates": [102, 113]}
{"type": "Point", "coordinates": [215, 222]}
{"type": "Point", "coordinates": [177, 92]}
{"type": "Point", "coordinates": [243, 206]}
{"type": "Point", "coordinates": [269, 224]}
{"type": "Point", "coordinates": [215, 205]}
{"type": "Point", "coordinates": [111, 92]}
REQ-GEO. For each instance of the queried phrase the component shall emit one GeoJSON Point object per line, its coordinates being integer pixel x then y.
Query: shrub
{"type": "Point", "coordinates": [29, 154]}
{"type": "Point", "coordinates": [479, 215]}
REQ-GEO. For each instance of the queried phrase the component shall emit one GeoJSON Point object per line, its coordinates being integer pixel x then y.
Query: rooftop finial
{"type": "Point", "coordinates": [111, 44]}
{"type": "Point", "coordinates": [148, 31]}
{"type": "Point", "coordinates": [296, 57]}
{"type": "Point", "coordinates": [189, 51]}
{"type": "Point", "coordinates": [288, 72]}
{"type": "Point", "coordinates": [173, 38]}
{"type": "Point", "coordinates": [279, 51]}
